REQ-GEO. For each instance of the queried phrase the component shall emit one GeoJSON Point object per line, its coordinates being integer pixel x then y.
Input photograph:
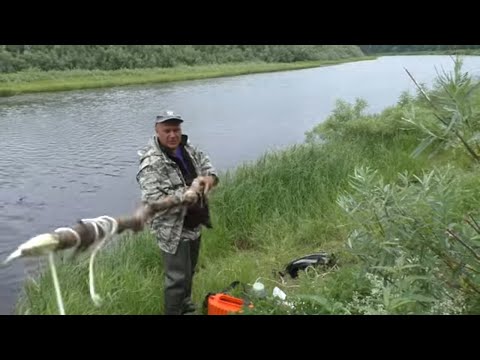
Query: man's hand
{"type": "Point", "coordinates": [207, 182]}
{"type": "Point", "coordinates": [191, 197]}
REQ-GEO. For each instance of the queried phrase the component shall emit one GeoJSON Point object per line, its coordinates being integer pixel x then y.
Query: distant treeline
{"type": "Point", "coordinates": [112, 57]}
{"type": "Point", "coordinates": [375, 49]}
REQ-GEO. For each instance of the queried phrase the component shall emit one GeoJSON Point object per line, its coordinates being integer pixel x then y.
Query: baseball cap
{"type": "Point", "coordinates": [166, 116]}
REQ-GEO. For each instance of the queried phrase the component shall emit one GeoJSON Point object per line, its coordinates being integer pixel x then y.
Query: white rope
{"type": "Point", "coordinates": [53, 269]}
{"type": "Point", "coordinates": [109, 227]}
{"type": "Point", "coordinates": [56, 284]}
{"type": "Point", "coordinates": [46, 244]}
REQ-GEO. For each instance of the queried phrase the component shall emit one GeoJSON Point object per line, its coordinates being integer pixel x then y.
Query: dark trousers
{"type": "Point", "coordinates": [179, 271]}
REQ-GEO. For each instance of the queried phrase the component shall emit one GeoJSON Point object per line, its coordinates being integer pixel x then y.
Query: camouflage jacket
{"type": "Point", "coordinates": [158, 176]}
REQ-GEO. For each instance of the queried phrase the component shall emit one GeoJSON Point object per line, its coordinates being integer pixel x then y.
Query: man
{"type": "Point", "coordinates": [168, 165]}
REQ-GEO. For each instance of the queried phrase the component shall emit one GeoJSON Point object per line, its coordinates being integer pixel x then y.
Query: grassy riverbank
{"type": "Point", "coordinates": [353, 189]}
{"type": "Point", "coordinates": [460, 52]}
{"type": "Point", "coordinates": [43, 81]}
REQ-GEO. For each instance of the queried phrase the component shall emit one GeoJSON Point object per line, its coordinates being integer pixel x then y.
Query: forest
{"type": "Point", "coordinates": [14, 58]}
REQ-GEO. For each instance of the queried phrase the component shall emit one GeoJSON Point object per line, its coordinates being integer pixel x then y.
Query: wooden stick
{"type": "Point", "coordinates": [84, 234]}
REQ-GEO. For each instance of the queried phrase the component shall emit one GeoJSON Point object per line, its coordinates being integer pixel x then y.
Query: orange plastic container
{"type": "Point", "coordinates": [223, 304]}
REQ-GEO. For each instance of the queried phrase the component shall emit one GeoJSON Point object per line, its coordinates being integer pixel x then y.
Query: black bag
{"type": "Point", "coordinates": [198, 214]}
{"type": "Point", "coordinates": [315, 260]}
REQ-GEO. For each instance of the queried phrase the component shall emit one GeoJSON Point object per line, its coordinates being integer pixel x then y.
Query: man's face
{"type": "Point", "coordinates": [169, 134]}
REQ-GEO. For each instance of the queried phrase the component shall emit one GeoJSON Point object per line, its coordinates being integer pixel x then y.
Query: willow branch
{"type": "Point", "coordinates": [473, 223]}
{"type": "Point", "coordinates": [468, 247]}
{"type": "Point", "coordinates": [443, 121]}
